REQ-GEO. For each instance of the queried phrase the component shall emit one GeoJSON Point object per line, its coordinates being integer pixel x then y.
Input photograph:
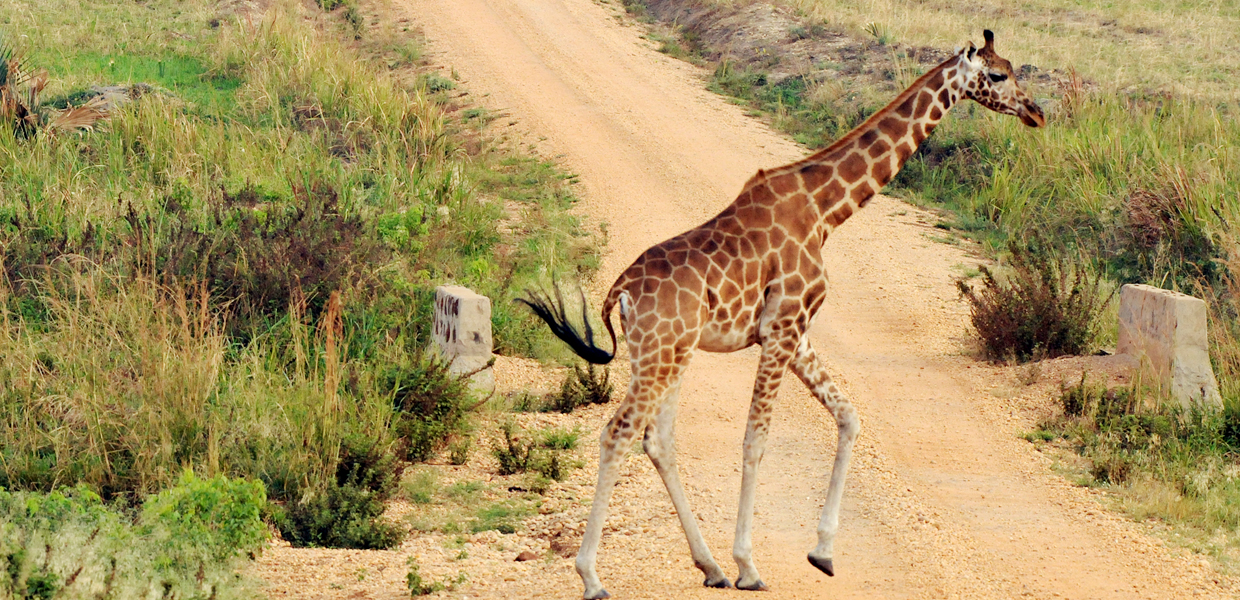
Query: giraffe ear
{"type": "Point", "coordinates": [972, 51]}
{"type": "Point", "coordinates": [990, 39]}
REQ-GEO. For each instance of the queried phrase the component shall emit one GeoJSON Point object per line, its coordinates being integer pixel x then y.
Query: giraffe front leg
{"type": "Point", "coordinates": [660, 446]}
{"type": "Point", "coordinates": [810, 370]}
{"type": "Point", "coordinates": [770, 374]}
{"type": "Point", "coordinates": [614, 442]}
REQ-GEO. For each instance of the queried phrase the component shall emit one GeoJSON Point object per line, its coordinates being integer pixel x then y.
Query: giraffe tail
{"type": "Point", "coordinates": [552, 311]}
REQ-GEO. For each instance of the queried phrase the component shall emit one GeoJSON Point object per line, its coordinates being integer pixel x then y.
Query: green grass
{"type": "Point", "coordinates": [1143, 44]}
{"type": "Point", "coordinates": [420, 488]}
{"type": "Point", "coordinates": [1142, 184]}
{"type": "Point", "coordinates": [815, 121]}
{"type": "Point", "coordinates": [186, 77]}
{"type": "Point", "coordinates": [471, 507]}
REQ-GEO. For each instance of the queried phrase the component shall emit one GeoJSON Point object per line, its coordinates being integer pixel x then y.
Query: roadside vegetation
{"type": "Point", "coordinates": [220, 234]}
{"type": "Point", "coordinates": [1165, 463]}
{"type": "Point", "coordinates": [1132, 181]}
{"type": "Point", "coordinates": [185, 542]}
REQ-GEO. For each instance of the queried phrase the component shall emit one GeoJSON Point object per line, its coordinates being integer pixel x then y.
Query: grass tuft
{"type": "Point", "coordinates": [591, 385]}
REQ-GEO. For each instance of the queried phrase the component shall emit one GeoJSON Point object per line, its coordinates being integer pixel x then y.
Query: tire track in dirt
{"type": "Point", "coordinates": [943, 499]}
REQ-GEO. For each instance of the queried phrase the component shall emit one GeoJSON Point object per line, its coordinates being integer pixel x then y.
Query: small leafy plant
{"type": "Point", "coordinates": [541, 454]}
{"type": "Point", "coordinates": [560, 438]}
{"type": "Point", "coordinates": [348, 514]}
{"type": "Point", "coordinates": [418, 587]}
{"type": "Point", "coordinates": [515, 455]}
{"type": "Point", "coordinates": [591, 385]}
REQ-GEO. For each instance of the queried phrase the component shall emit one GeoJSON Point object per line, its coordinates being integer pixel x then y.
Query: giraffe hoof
{"type": "Point", "coordinates": [599, 595]}
{"type": "Point", "coordinates": [722, 582]}
{"type": "Point", "coordinates": [756, 586]}
{"type": "Point", "coordinates": [823, 564]}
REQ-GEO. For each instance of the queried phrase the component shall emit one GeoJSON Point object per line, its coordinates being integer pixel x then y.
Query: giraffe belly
{"type": "Point", "coordinates": [729, 336]}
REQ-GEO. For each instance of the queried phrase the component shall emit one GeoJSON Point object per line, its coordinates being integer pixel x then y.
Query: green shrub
{"type": "Point", "coordinates": [1111, 468]}
{"type": "Point", "coordinates": [1230, 427]}
{"type": "Point", "coordinates": [365, 464]}
{"type": "Point", "coordinates": [340, 517]}
{"type": "Point", "coordinates": [552, 467]}
{"type": "Point", "coordinates": [430, 405]}
{"type": "Point", "coordinates": [1046, 307]}
{"type": "Point", "coordinates": [222, 516]}
{"type": "Point", "coordinates": [520, 452]}
{"type": "Point", "coordinates": [257, 250]}
{"type": "Point", "coordinates": [68, 544]}
{"type": "Point", "coordinates": [560, 439]}
{"type": "Point", "coordinates": [353, 16]}
{"type": "Point", "coordinates": [1080, 399]}
{"type": "Point", "coordinates": [436, 83]}
{"type": "Point", "coordinates": [458, 450]}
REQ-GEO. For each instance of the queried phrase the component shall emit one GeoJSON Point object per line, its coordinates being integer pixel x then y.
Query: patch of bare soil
{"type": "Point", "coordinates": [944, 499]}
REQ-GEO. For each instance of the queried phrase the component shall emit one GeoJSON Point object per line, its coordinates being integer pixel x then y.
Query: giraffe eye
{"type": "Point", "coordinates": [997, 77]}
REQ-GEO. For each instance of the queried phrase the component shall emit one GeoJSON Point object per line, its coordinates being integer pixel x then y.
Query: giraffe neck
{"type": "Point", "coordinates": [843, 177]}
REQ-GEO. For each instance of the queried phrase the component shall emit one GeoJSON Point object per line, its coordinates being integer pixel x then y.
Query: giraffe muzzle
{"type": "Point", "coordinates": [1031, 115]}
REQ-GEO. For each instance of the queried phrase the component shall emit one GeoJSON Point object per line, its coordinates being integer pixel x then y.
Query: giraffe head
{"type": "Point", "coordinates": [991, 83]}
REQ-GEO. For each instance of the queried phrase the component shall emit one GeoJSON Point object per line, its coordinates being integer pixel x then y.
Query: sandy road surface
{"type": "Point", "coordinates": [943, 499]}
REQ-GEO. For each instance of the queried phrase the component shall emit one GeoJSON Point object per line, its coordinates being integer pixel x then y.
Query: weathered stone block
{"type": "Point", "coordinates": [462, 334]}
{"type": "Point", "coordinates": [1165, 332]}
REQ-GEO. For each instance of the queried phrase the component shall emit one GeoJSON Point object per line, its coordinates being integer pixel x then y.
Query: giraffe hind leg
{"type": "Point", "coordinates": [810, 370]}
{"type": "Point", "coordinates": [614, 442]}
{"type": "Point", "coordinates": [659, 445]}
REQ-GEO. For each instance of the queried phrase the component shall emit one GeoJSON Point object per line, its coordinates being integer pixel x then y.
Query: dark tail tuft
{"type": "Point", "coordinates": [552, 311]}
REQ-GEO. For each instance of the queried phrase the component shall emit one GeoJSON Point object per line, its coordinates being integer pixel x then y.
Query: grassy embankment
{"type": "Point", "coordinates": [1134, 176]}
{"type": "Point", "coordinates": [233, 273]}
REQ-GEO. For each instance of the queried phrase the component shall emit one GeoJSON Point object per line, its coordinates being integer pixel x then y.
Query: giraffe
{"type": "Point", "coordinates": [754, 274]}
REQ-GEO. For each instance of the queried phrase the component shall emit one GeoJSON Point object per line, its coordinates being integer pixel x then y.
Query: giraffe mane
{"type": "Point", "coordinates": [762, 175]}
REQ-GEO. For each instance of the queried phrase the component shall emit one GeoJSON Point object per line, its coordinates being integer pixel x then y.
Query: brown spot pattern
{"type": "Point", "coordinates": [893, 128]}
{"type": "Point", "coordinates": [852, 168]}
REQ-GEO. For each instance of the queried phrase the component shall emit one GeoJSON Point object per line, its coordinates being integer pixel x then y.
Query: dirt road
{"type": "Point", "coordinates": [943, 500]}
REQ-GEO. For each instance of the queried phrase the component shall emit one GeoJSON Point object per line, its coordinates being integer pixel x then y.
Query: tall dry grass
{"type": "Point", "coordinates": [124, 383]}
